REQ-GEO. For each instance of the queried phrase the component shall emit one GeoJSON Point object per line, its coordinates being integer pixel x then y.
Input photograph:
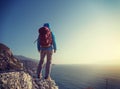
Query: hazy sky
{"type": "Point", "coordinates": [86, 31]}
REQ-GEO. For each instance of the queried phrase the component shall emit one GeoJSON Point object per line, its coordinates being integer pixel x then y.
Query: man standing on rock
{"type": "Point", "coordinates": [46, 45]}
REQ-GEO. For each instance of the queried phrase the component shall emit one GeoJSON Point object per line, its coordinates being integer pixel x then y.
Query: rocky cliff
{"type": "Point", "coordinates": [7, 60]}
{"type": "Point", "coordinates": [22, 80]}
{"type": "Point", "coordinates": [14, 76]}
{"type": "Point", "coordinates": [15, 80]}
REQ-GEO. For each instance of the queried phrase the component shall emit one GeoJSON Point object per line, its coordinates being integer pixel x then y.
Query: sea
{"type": "Point", "coordinates": [86, 76]}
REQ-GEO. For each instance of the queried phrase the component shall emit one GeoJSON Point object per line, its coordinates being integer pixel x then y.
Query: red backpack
{"type": "Point", "coordinates": [45, 37]}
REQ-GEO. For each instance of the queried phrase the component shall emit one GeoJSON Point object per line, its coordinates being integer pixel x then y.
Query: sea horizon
{"type": "Point", "coordinates": [78, 76]}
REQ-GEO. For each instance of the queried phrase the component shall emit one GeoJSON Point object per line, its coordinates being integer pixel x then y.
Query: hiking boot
{"type": "Point", "coordinates": [48, 78]}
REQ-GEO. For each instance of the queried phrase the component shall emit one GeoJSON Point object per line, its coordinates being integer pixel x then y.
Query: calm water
{"type": "Point", "coordinates": [84, 76]}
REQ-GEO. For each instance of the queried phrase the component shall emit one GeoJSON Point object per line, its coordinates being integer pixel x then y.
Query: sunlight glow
{"type": "Point", "coordinates": [97, 43]}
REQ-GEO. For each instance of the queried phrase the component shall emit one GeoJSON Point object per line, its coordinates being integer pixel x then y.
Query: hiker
{"type": "Point", "coordinates": [46, 45]}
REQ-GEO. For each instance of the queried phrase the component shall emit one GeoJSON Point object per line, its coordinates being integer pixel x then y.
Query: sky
{"type": "Point", "coordinates": [86, 31]}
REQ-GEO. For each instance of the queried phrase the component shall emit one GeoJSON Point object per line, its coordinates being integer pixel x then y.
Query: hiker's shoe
{"type": "Point", "coordinates": [48, 78]}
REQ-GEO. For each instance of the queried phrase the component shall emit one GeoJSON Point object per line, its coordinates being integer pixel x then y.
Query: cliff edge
{"type": "Point", "coordinates": [14, 76]}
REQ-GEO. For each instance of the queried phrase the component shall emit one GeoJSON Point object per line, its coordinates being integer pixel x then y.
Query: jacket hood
{"type": "Point", "coordinates": [46, 25]}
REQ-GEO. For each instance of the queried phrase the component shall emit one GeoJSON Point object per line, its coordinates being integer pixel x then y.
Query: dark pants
{"type": "Point", "coordinates": [44, 53]}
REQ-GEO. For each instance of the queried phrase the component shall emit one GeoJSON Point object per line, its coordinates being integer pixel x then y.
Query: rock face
{"type": "Point", "coordinates": [12, 75]}
{"type": "Point", "coordinates": [15, 80]}
{"type": "Point", "coordinates": [22, 80]}
{"type": "Point", "coordinates": [7, 60]}
{"type": "Point", "coordinates": [45, 84]}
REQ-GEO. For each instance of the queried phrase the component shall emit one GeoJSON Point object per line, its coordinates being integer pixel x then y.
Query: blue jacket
{"type": "Point", "coordinates": [53, 46]}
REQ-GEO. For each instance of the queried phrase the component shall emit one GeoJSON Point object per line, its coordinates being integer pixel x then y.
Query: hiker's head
{"type": "Point", "coordinates": [46, 25]}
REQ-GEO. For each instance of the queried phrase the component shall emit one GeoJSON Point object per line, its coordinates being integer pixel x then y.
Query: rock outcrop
{"type": "Point", "coordinates": [45, 84]}
{"type": "Point", "coordinates": [7, 60]}
{"type": "Point", "coordinates": [22, 80]}
{"type": "Point", "coordinates": [13, 76]}
{"type": "Point", "coordinates": [15, 80]}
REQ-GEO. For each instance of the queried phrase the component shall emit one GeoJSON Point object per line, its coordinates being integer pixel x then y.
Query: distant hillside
{"type": "Point", "coordinates": [24, 58]}
{"type": "Point", "coordinates": [29, 64]}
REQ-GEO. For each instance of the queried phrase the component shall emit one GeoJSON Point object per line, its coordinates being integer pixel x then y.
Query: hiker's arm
{"type": "Point", "coordinates": [38, 45]}
{"type": "Point", "coordinates": [54, 43]}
